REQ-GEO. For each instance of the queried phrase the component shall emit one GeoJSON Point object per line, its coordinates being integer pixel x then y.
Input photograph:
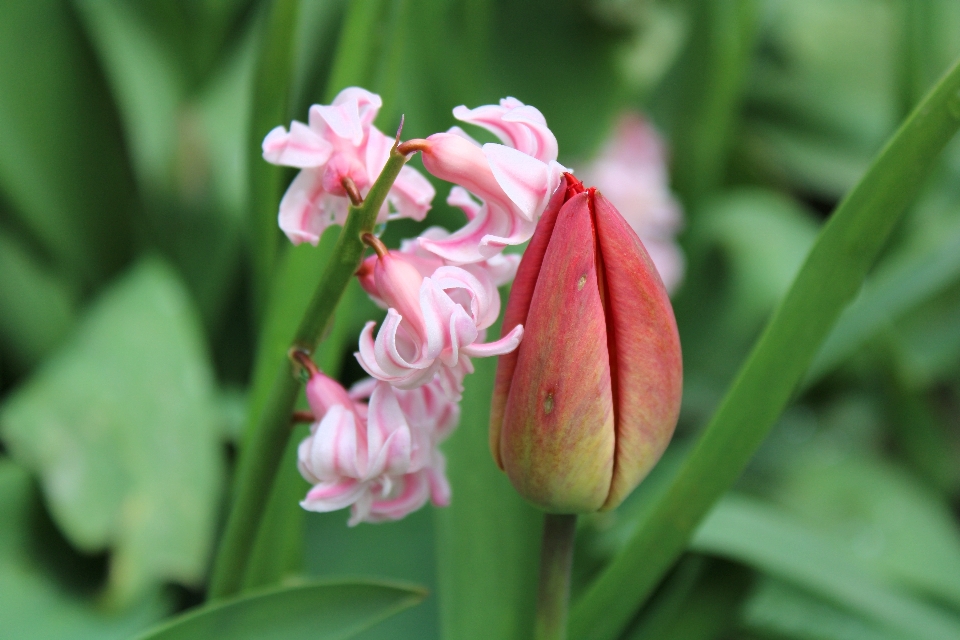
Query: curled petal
{"type": "Point", "coordinates": [368, 103]}
{"type": "Point", "coordinates": [528, 182]}
{"type": "Point", "coordinates": [306, 209]}
{"type": "Point", "coordinates": [461, 198]}
{"type": "Point", "coordinates": [506, 344]}
{"type": "Point", "coordinates": [334, 449]}
{"type": "Point", "coordinates": [388, 435]}
{"type": "Point", "coordinates": [454, 159]}
{"type": "Point", "coordinates": [301, 147]}
{"type": "Point", "coordinates": [483, 297]}
{"type": "Point", "coordinates": [411, 195]}
{"type": "Point", "coordinates": [411, 493]}
{"type": "Point", "coordinates": [483, 237]}
{"type": "Point", "coordinates": [332, 496]}
{"type": "Point", "coordinates": [517, 125]}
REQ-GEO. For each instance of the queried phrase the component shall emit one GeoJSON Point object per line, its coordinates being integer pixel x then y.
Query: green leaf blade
{"type": "Point", "coordinates": [319, 611]}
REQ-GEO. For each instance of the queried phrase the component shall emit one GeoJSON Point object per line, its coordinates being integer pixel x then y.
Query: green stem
{"type": "Point", "coordinates": [261, 457]}
{"type": "Point", "coordinates": [556, 560]}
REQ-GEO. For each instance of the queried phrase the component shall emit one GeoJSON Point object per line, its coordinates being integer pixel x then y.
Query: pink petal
{"type": "Point", "coordinates": [517, 125]}
{"type": "Point", "coordinates": [414, 491]}
{"type": "Point", "coordinates": [411, 194]}
{"type": "Point", "coordinates": [323, 393]}
{"type": "Point", "coordinates": [332, 496]}
{"type": "Point", "coordinates": [506, 344]}
{"type": "Point", "coordinates": [368, 104]}
{"type": "Point", "coordinates": [527, 181]}
{"type": "Point", "coordinates": [343, 120]}
{"type": "Point", "coordinates": [306, 209]}
{"type": "Point", "coordinates": [302, 147]}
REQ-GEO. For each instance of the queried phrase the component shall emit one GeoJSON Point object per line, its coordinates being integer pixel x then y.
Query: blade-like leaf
{"type": "Point", "coordinates": [63, 169]}
{"type": "Point", "coordinates": [828, 280]}
{"type": "Point", "coordinates": [758, 535]}
{"type": "Point", "coordinates": [318, 611]}
{"type": "Point", "coordinates": [121, 427]}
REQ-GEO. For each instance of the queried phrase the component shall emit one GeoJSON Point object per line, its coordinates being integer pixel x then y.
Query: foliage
{"type": "Point", "coordinates": [147, 301]}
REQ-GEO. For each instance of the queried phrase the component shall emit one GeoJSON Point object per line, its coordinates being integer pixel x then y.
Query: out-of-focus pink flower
{"type": "Point", "coordinates": [379, 458]}
{"type": "Point", "coordinates": [339, 142]}
{"type": "Point", "coordinates": [631, 171]}
{"type": "Point", "coordinates": [434, 324]}
{"type": "Point", "coordinates": [513, 180]}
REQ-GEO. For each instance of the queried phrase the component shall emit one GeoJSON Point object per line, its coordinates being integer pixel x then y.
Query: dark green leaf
{"type": "Point", "coordinates": [121, 427]}
{"type": "Point", "coordinates": [62, 165]}
{"type": "Point", "coordinates": [36, 309]}
{"type": "Point", "coordinates": [319, 611]}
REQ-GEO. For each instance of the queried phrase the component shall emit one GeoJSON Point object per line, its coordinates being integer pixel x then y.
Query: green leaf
{"type": "Point", "coordinates": [121, 426]}
{"type": "Point", "coordinates": [319, 611]}
{"type": "Point", "coordinates": [828, 280]}
{"type": "Point", "coordinates": [145, 82]}
{"type": "Point", "coordinates": [33, 603]}
{"type": "Point", "coordinates": [750, 532]}
{"type": "Point", "coordinates": [882, 516]}
{"type": "Point", "coordinates": [36, 308]}
{"type": "Point", "coordinates": [898, 286]}
{"type": "Point", "coordinates": [783, 611]}
{"type": "Point", "coordinates": [488, 539]}
{"type": "Point", "coordinates": [62, 164]}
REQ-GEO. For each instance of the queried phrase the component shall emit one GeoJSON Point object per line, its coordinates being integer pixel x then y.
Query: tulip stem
{"type": "Point", "coordinates": [556, 560]}
{"type": "Point", "coordinates": [263, 447]}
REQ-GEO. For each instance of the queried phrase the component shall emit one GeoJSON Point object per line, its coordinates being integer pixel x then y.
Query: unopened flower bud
{"type": "Point", "coordinates": [586, 405]}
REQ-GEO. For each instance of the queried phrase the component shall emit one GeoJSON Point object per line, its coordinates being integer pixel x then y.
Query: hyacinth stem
{"type": "Point", "coordinates": [556, 560]}
{"type": "Point", "coordinates": [259, 460]}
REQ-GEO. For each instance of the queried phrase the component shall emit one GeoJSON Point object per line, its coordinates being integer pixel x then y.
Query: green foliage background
{"type": "Point", "coordinates": [146, 298]}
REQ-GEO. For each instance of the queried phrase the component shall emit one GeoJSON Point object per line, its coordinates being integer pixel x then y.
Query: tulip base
{"type": "Point", "coordinates": [556, 561]}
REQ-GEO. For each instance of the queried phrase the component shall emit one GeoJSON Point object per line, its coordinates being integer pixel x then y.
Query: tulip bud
{"type": "Point", "coordinates": [585, 407]}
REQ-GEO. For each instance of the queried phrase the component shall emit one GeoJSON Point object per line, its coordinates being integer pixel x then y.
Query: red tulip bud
{"type": "Point", "coordinates": [586, 405]}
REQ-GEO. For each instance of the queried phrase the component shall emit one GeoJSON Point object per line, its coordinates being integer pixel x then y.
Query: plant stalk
{"type": "Point", "coordinates": [556, 561]}
{"type": "Point", "coordinates": [260, 459]}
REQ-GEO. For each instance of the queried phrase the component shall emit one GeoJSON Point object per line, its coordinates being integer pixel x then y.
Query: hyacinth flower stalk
{"type": "Point", "coordinates": [260, 458]}
{"type": "Point", "coordinates": [586, 406]}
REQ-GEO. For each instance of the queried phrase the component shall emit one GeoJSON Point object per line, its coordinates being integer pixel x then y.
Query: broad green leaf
{"type": "Point", "coordinates": [62, 165]}
{"type": "Point", "coordinates": [783, 611]}
{"type": "Point", "coordinates": [881, 516]}
{"type": "Point", "coordinates": [488, 538]}
{"type": "Point", "coordinates": [829, 279]}
{"type": "Point", "coordinates": [319, 611]}
{"type": "Point", "coordinates": [33, 602]}
{"type": "Point", "coordinates": [121, 427]}
{"type": "Point", "coordinates": [36, 308]}
{"type": "Point", "coordinates": [748, 531]}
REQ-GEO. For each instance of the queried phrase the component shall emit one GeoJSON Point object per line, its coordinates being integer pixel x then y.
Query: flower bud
{"type": "Point", "coordinates": [586, 405]}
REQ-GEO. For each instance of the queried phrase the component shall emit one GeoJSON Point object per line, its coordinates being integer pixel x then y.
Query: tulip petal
{"type": "Point", "coordinates": [557, 441]}
{"type": "Point", "coordinates": [649, 366]}
{"type": "Point", "coordinates": [518, 306]}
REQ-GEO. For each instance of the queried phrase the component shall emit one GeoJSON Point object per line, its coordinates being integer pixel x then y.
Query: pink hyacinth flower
{"type": "Point", "coordinates": [513, 180]}
{"type": "Point", "coordinates": [433, 326]}
{"type": "Point", "coordinates": [339, 142]}
{"type": "Point", "coordinates": [372, 457]}
{"type": "Point", "coordinates": [631, 171]}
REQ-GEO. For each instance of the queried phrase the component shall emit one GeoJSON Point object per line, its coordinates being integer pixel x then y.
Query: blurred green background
{"type": "Point", "coordinates": [144, 288]}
